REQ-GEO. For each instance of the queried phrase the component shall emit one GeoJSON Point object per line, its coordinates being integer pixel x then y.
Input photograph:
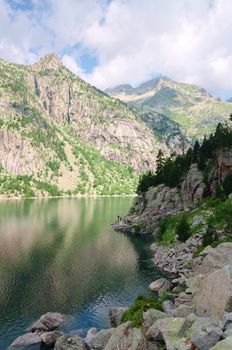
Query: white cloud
{"type": "Point", "coordinates": [132, 39]}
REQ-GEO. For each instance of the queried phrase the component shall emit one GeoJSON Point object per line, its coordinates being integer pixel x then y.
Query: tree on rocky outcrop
{"type": "Point", "coordinates": [160, 160]}
{"type": "Point", "coordinates": [183, 229]}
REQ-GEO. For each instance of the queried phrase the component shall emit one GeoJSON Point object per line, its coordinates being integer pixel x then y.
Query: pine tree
{"type": "Point", "coordinates": [183, 229]}
{"type": "Point", "coordinates": [160, 162]}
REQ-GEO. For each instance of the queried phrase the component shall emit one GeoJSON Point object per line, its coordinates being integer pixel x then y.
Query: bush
{"type": "Point", "coordinates": [183, 229]}
{"type": "Point", "coordinates": [209, 236]}
{"type": "Point", "coordinates": [135, 311]}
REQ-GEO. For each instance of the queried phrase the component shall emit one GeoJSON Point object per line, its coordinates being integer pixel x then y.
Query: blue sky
{"type": "Point", "coordinates": [124, 41]}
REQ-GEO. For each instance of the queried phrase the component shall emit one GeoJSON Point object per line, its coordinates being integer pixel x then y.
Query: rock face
{"type": "Point", "coordinates": [49, 115]}
{"type": "Point", "coordinates": [160, 201]}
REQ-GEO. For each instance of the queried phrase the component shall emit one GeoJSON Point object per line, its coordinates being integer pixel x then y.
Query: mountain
{"type": "Point", "coordinates": [58, 134]}
{"type": "Point", "coordinates": [196, 111]}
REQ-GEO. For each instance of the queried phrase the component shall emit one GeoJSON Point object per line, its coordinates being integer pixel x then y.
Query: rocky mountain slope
{"type": "Point", "coordinates": [196, 111]}
{"type": "Point", "coordinates": [59, 134]}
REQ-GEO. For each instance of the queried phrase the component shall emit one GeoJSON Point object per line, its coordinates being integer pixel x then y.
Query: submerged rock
{"type": "Point", "coordinates": [27, 340]}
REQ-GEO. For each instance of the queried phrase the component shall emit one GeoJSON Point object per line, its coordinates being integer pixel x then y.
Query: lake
{"type": "Point", "coordinates": [63, 255]}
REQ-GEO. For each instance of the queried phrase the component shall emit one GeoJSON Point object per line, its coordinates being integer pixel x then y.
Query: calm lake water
{"type": "Point", "coordinates": [62, 255]}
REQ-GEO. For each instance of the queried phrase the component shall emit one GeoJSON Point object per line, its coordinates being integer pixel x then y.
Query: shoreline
{"type": "Point", "coordinates": [78, 196]}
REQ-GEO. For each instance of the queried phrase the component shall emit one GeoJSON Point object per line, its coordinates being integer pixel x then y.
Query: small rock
{"type": "Point", "coordinates": [160, 285]}
{"type": "Point", "coordinates": [90, 336]}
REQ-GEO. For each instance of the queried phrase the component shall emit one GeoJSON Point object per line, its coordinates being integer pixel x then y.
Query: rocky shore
{"type": "Point", "coordinates": [196, 312]}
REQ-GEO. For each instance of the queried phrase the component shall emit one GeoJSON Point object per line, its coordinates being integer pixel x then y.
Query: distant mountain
{"type": "Point", "coordinates": [60, 135]}
{"type": "Point", "coordinates": [195, 110]}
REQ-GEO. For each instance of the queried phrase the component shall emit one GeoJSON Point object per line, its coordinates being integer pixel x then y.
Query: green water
{"type": "Point", "coordinates": [63, 255]}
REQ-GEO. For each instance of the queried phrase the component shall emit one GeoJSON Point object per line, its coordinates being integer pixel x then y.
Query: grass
{"type": "Point", "coordinates": [136, 310]}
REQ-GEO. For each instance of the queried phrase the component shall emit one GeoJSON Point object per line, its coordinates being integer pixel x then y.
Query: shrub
{"type": "Point", "coordinates": [135, 311]}
{"type": "Point", "coordinates": [183, 229]}
{"type": "Point", "coordinates": [209, 236]}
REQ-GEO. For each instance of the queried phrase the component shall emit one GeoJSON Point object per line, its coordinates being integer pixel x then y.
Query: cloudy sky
{"type": "Point", "coordinates": [109, 42]}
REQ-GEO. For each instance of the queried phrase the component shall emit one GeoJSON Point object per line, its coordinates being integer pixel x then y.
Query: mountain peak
{"type": "Point", "coordinates": [49, 61]}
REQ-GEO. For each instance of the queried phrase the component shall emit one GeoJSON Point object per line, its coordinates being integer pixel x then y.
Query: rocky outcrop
{"type": "Point", "coordinates": [160, 201]}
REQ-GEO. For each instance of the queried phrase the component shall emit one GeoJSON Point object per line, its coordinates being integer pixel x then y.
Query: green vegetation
{"type": "Point", "coordinates": [140, 305]}
{"type": "Point", "coordinates": [170, 171]}
{"type": "Point", "coordinates": [182, 230]}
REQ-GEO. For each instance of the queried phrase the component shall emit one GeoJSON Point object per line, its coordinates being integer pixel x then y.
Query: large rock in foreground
{"type": "Point", "coordinates": [126, 338]}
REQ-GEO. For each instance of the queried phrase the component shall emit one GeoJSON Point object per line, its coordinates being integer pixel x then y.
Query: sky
{"type": "Point", "coordinates": [110, 42]}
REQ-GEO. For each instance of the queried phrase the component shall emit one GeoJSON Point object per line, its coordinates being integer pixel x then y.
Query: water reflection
{"type": "Point", "coordinates": [62, 255]}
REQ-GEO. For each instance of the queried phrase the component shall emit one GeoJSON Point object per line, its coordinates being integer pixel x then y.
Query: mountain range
{"type": "Point", "coordinates": [190, 106]}
{"type": "Point", "coordinates": [61, 136]}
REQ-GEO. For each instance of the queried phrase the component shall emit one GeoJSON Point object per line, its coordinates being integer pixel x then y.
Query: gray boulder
{"type": "Point", "coordinates": [224, 344]}
{"type": "Point", "coordinates": [50, 338]}
{"type": "Point", "coordinates": [168, 331]}
{"type": "Point", "coordinates": [204, 333]}
{"type": "Point", "coordinates": [152, 315]}
{"type": "Point", "coordinates": [99, 341]}
{"type": "Point", "coordinates": [115, 315]}
{"type": "Point", "coordinates": [168, 306]}
{"type": "Point", "coordinates": [127, 338]}
{"type": "Point", "coordinates": [27, 340]}
{"type": "Point", "coordinates": [67, 342]}
{"type": "Point", "coordinates": [160, 285]}
{"type": "Point", "coordinates": [48, 322]}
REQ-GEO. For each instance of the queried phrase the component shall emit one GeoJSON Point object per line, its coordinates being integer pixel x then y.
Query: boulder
{"type": "Point", "coordinates": [67, 342]}
{"type": "Point", "coordinates": [50, 338]}
{"type": "Point", "coordinates": [183, 310]}
{"type": "Point", "coordinates": [168, 306]}
{"type": "Point", "coordinates": [213, 259]}
{"type": "Point", "coordinates": [90, 336]}
{"type": "Point", "coordinates": [27, 340]}
{"type": "Point", "coordinates": [160, 285]}
{"type": "Point", "coordinates": [212, 293]}
{"type": "Point", "coordinates": [115, 315]}
{"type": "Point", "coordinates": [99, 341]}
{"type": "Point", "coordinates": [204, 333]}
{"type": "Point", "coordinates": [224, 344]}
{"type": "Point", "coordinates": [152, 315]}
{"type": "Point", "coordinates": [168, 331]}
{"type": "Point", "coordinates": [48, 322]}
{"type": "Point", "coordinates": [127, 338]}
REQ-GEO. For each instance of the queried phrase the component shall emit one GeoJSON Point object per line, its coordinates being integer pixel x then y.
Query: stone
{"type": "Point", "coordinates": [100, 340]}
{"type": "Point", "coordinates": [127, 338]}
{"type": "Point", "coordinates": [198, 220]}
{"type": "Point", "coordinates": [213, 259]}
{"type": "Point", "coordinates": [167, 330]}
{"type": "Point", "coordinates": [223, 345]}
{"type": "Point", "coordinates": [204, 333]}
{"type": "Point", "coordinates": [90, 336]}
{"type": "Point", "coordinates": [67, 342]}
{"type": "Point", "coordinates": [115, 315]}
{"type": "Point", "coordinates": [183, 298]}
{"type": "Point", "coordinates": [161, 284]}
{"type": "Point", "coordinates": [48, 322]}
{"type": "Point", "coordinates": [50, 338]}
{"type": "Point", "coordinates": [183, 310]}
{"type": "Point", "coordinates": [152, 315]}
{"type": "Point", "coordinates": [27, 340]}
{"type": "Point", "coordinates": [168, 306]}
{"type": "Point", "coordinates": [212, 293]}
